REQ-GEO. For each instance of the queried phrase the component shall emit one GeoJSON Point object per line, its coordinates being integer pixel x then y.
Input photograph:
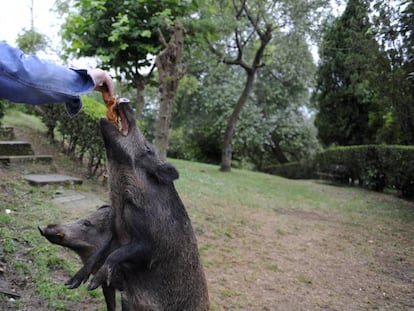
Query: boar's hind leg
{"type": "Point", "coordinates": [138, 254]}
{"type": "Point", "coordinates": [109, 294]}
{"type": "Point", "coordinates": [92, 264]}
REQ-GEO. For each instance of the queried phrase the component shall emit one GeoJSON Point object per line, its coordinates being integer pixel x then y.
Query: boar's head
{"type": "Point", "coordinates": [85, 235]}
{"type": "Point", "coordinates": [128, 148]}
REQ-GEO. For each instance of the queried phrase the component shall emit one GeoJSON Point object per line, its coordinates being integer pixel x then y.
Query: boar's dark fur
{"type": "Point", "coordinates": [151, 225]}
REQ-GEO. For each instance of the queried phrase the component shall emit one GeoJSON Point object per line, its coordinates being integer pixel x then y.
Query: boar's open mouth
{"type": "Point", "coordinates": [122, 106]}
{"type": "Point", "coordinates": [124, 121]}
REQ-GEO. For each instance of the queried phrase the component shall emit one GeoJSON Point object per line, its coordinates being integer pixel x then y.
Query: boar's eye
{"type": "Point", "coordinates": [148, 149]}
{"type": "Point", "coordinates": [87, 223]}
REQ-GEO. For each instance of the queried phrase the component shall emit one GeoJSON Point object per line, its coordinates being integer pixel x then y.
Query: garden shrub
{"type": "Point", "coordinates": [179, 147]}
{"type": "Point", "coordinates": [293, 170]}
{"type": "Point", "coordinates": [372, 166]}
{"type": "Point", "coordinates": [81, 136]}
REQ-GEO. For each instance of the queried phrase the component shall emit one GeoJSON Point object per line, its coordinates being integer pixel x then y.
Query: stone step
{"type": "Point", "coordinates": [15, 147]}
{"type": "Point", "coordinates": [55, 179]}
{"type": "Point", "coordinates": [41, 159]}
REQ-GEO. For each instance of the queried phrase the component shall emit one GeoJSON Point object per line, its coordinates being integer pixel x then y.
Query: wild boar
{"type": "Point", "coordinates": [85, 236]}
{"type": "Point", "coordinates": [151, 225]}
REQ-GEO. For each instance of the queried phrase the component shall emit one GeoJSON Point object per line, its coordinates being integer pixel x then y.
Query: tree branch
{"type": "Point", "coordinates": [239, 11]}
{"type": "Point", "coordinates": [161, 37]}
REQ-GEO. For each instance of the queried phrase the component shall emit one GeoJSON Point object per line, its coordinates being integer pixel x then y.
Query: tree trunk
{"type": "Point", "coordinates": [171, 69]}
{"type": "Point", "coordinates": [278, 153]}
{"type": "Point", "coordinates": [265, 35]}
{"type": "Point", "coordinates": [140, 86]}
{"type": "Point", "coordinates": [226, 154]}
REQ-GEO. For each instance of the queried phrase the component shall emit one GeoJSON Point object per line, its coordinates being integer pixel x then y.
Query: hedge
{"type": "Point", "coordinates": [371, 166]}
{"type": "Point", "coordinates": [81, 136]}
{"type": "Point", "coordinates": [293, 170]}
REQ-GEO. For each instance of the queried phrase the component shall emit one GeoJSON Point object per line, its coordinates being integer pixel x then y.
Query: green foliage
{"type": "Point", "coordinates": [373, 166]}
{"type": "Point", "coordinates": [81, 134]}
{"type": "Point", "coordinates": [274, 119]}
{"type": "Point", "coordinates": [350, 95]}
{"type": "Point", "coordinates": [181, 146]}
{"type": "Point", "coordinates": [293, 170]}
{"type": "Point", "coordinates": [30, 41]}
{"type": "Point", "coordinates": [202, 108]}
{"type": "Point", "coordinates": [355, 107]}
{"type": "Point", "coordinates": [15, 117]}
{"type": "Point", "coordinates": [396, 34]}
{"type": "Point", "coordinates": [250, 35]}
{"type": "Point", "coordinates": [120, 33]}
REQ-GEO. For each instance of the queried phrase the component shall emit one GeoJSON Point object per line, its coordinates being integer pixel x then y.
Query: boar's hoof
{"type": "Point", "coordinates": [71, 284]}
{"type": "Point", "coordinates": [80, 277]}
{"type": "Point", "coordinates": [103, 276]}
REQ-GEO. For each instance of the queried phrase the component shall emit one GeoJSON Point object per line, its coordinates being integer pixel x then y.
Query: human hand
{"type": "Point", "coordinates": [103, 82]}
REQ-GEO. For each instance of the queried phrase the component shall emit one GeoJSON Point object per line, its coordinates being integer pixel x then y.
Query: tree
{"type": "Point", "coordinates": [246, 29]}
{"type": "Point", "coordinates": [259, 33]}
{"type": "Point", "coordinates": [282, 95]}
{"type": "Point", "coordinates": [31, 41]}
{"type": "Point", "coordinates": [349, 91]}
{"type": "Point", "coordinates": [395, 32]}
{"type": "Point", "coordinates": [171, 69]}
{"type": "Point", "coordinates": [205, 101]}
{"type": "Point", "coordinates": [272, 127]}
{"type": "Point", "coordinates": [122, 34]}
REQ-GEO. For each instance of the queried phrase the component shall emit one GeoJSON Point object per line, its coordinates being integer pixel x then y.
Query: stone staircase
{"type": "Point", "coordinates": [14, 152]}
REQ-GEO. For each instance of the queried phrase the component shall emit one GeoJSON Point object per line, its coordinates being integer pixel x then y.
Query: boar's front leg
{"type": "Point", "coordinates": [92, 264]}
{"type": "Point", "coordinates": [137, 254]}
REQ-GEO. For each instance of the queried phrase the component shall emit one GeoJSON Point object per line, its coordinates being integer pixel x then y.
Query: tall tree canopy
{"type": "Point", "coordinates": [122, 34]}
{"type": "Point", "coordinates": [349, 92]}
{"type": "Point", "coordinates": [395, 32]}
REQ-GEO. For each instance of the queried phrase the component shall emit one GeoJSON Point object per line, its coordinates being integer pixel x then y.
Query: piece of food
{"type": "Point", "coordinates": [111, 108]}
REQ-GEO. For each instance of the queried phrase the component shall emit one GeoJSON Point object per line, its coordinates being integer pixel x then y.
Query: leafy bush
{"type": "Point", "coordinates": [293, 170]}
{"type": "Point", "coordinates": [194, 144]}
{"type": "Point", "coordinates": [178, 146]}
{"type": "Point", "coordinates": [372, 166]}
{"type": "Point", "coordinates": [81, 136]}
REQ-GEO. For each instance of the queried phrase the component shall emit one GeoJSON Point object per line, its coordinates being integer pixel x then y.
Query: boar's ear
{"type": "Point", "coordinates": [166, 173]}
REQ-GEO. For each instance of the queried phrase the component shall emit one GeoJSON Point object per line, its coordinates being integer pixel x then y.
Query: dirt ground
{"type": "Point", "coordinates": [301, 259]}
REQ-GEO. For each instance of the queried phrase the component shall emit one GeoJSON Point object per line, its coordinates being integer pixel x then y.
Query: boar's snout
{"type": "Point", "coordinates": [51, 232]}
{"type": "Point", "coordinates": [41, 230]}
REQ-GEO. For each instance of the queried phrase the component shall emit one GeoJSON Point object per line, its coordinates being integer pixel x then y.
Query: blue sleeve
{"type": "Point", "coordinates": [28, 79]}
